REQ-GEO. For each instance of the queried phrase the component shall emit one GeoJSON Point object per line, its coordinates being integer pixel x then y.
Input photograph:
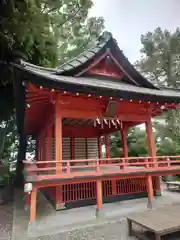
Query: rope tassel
{"type": "Point", "coordinates": [118, 121]}
{"type": "Point", "coordinates": [98, 120]}
{"type": "Point", "coordinates": [106, 122]}
{"type": "Point", "coordinates": [94, 123]}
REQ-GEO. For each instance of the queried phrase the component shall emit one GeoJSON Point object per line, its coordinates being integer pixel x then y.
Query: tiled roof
{"type": "Point", "coordinates": [86, 55]}
{"type": "Point", "coordinates": [64, 76]}
{"type": "Point", "coordinates": [105, 43]}
{"type": "Point", "coordinates": [111, 88]}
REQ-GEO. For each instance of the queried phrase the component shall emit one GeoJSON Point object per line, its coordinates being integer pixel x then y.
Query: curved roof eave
{"type": "Point", "coordinates": [84, 84]}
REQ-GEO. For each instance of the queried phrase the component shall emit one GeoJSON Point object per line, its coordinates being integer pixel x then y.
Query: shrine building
{"type": "Point", "coordinates": [71, 111]}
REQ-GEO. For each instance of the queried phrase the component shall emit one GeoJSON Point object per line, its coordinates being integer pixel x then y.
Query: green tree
{"type": "Point", "coordinates": [115, 142]}
{"type": "Point", "coordinates": [44, 33]}
{"type": "Point", "coordinates": [160, 63]}
{"type": "Point", "coordinates": [136, 140]}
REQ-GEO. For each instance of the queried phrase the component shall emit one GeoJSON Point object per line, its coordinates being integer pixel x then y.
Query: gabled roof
{"type": "Point", "coordinates": [105, 44]}
{"type": "Point", "coordinates": [74, 75]}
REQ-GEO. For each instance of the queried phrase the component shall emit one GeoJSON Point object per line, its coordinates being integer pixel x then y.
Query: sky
{"type": "Point", "coordinates": [127, 20]}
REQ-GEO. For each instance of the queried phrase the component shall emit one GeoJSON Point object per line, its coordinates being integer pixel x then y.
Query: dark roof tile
{"type": "Point", "coordinates": [104, 43]}
{"type": "Point", "coordinates": [112, 86]}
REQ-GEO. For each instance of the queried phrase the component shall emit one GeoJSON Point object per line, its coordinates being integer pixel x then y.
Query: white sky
{"type": "Point", "coordinates": [127, 20]}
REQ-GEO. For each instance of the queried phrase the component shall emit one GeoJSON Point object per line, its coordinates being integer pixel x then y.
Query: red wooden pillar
{"type": "Point", "coordinates": [43, 146]}
{"type": "Point", "coordinates": [58, 143]}
{"type": "Point", "coordinates": [150, 191]}
{"type": "Point", "coordinates": [42, 156]}
{"type": "Point", "coordinates": [124, 141]}
{"type": "Point", "coordinates": [58, 155]}
{"type": "Point", "coordinates": [33, 205]}
{"type": "Point", "coordinates": [107, 147]}
{"type": "Point", "coordinates": [49, 145]}
{"type": "Point", "coordinates": [100, 148]}
{"type": "Point", "coordinates": [152, 152]}
{"type": "Point", "coordinates": [99, 199]}
{"type": "Point", "coordinates": [39, 148]}
{"type": "Point", "coordinates": [36, 150]}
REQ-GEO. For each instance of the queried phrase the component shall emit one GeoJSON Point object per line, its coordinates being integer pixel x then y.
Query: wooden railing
{"type": "Point", "coordinates": [95, 167]}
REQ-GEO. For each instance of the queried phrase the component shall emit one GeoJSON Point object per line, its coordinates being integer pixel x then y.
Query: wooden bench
{"type": "Point", "coordinates": [156, 223]}
{"type": "Point", "coordinates": [173, 185]}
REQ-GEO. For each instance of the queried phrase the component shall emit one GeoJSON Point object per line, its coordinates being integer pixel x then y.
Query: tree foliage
{"type": "Point", "coordinates": [136, 140]}
{"type": "Point", "coordinates": [44, 33]}
{"type": "Point", "coordinates": [159, 63]}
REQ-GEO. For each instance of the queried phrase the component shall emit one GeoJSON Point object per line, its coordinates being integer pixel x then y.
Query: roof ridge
{"type": "Point", "coordinates": [102, 39]}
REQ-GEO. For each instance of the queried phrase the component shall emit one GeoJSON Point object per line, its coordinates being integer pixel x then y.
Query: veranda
{"type": "Point", "coordinates": [69, 109]}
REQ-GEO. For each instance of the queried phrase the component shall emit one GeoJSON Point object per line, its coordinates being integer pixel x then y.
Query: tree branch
{"type": "Point", "coordinates": [45, 5]}
{"type": "Point", "coordinates": [70, 18]}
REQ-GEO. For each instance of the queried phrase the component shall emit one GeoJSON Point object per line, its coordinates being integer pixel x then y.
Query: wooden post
{"type": "Point", "coordinates": [152, 152]}
{"type": "Point", "coordinates": [58, 143]}
{"type": "Point", "coordinates": [124, 141]}
{"type": "Point", "coordinates": [49, 146]}
{"type": "Point", "coordinates": [58, 155]}
{"type": "Point", "coordinates": [150, 191]}
{"type": "Point", "coordinates": [36, 150]}
{"type": "Point", "coordinates": [124, 144]}
{"type": "Point", "coordinates": [33, 205]}
{"type": "Point", "coordinates": [129, 227]}
{"type": "Point", "coordinates": [100, 147]}
{"type": "Point", "coordinates": [150, 138]}
{"type": "Point", "coordinates": [43, 146]}
{"type": "Point", "coordinates": [107, 146]}
{"type": "Point", "coordinates": [44, 138]}
{"type": "Point", "coordinates": [39, 148]}
{"type": "Point", "coordinates": [99, 200]}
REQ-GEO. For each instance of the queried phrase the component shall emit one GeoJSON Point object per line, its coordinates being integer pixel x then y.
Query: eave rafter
{"type": "Point", "coordinates": [81, 109]}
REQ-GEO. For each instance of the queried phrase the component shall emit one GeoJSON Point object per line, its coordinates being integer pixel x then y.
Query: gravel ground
{"type": "Point", "coordinates": [109, 231]}
{"type": "Point", "coordinates": [6, 219]}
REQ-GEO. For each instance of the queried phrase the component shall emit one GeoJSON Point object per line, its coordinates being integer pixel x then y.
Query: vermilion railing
{"type": "Point", "coordinates": [89, 167]}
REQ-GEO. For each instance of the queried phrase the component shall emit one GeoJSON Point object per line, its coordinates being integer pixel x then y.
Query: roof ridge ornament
{"type": "Point", "coordinates": [105, 36]}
